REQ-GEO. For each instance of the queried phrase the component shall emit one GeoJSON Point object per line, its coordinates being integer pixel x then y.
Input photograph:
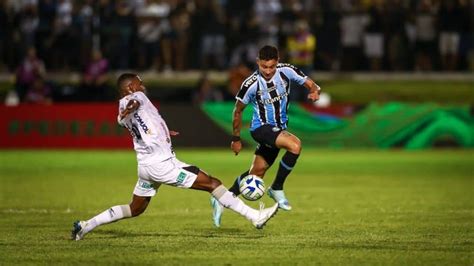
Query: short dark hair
{"type": "Point", "coordinates": [124, 77]}
{"type": "Point", "coordinates": [268, 52]}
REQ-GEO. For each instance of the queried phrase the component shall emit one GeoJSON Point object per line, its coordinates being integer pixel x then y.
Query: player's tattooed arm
{"type": "Point", "coordinates": [314, 89]}
{"type": "Point", "coordinates": [236, 144]}
{"type": "Point", "coordinates": [237, 118]}
{"type": "Point", "coordinates": [131, 107]}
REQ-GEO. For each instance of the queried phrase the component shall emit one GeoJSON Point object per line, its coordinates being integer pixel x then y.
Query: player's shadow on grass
{"type": "Point", "coordinates": [204, 233]}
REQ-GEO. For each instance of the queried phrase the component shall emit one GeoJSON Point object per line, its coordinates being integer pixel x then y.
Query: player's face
{"type": "Point", "coordinates": [267, 68]}
{"type": "Point", "coordinates": [137, 84]}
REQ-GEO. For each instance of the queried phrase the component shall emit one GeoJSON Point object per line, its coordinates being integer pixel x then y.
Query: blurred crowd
{"type": "Point", "coordinates": [96, 36]}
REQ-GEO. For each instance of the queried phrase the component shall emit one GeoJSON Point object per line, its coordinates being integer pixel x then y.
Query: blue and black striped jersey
{"type": "Point", "coordinates": [270, 98]}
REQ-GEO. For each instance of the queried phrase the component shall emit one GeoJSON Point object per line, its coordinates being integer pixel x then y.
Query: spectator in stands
{"type": "Point", "coordinates": [64, 40]}
{"type": "Point", "coordinates": [290, 12]}
{"type": "Point", "coordinates": [374, 38]}
{"type": "Point", "coordinates": [3, 33]}
{"type": "Point", "coordinates": [28, 71]}
{"type": "Point", "coordinates": [238, 15]}
{"type": "Point", "coordinates": [29, 21]}
{"type": "Point", "coordinates": [123, 25]}
{"type": "Point", "coordinates": [152, 24]}
{"type": "Point", "coordinates": [63, 31]}
{"type": "Point", "coordinates": [39, 92]}
{"type": "Point", "coordinates": [352, 28]}
{"type": "Point", "coordinates": [209, 18]}
{"type": "Point", "coordinates": [175, 42]}
{"type": "Point", "coordinates": [425, 36]}
{"type": "Point", "coordinates": [95, 78]}
{"type": "Point", "coordinates": [47, 16]}
{"type": "Point", "coordinates": [326, 26]}
{"type": "Point", "coordinates": [266, 12]}
{"type": "Point", "coordinates": [301, 47]}
{"type": "Point", "coordinates": [245, 50]}
{"type": "Point", "coordinates": [396, 35]}
{"type": "Point", "coordinates": [450, 23]}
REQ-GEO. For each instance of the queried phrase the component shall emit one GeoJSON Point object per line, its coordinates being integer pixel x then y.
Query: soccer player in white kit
{"type": "Point", "coordinates": [157, 164]}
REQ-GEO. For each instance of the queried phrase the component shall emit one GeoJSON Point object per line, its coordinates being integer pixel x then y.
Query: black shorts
{"type": "Point", "coordinates": [266, 136]}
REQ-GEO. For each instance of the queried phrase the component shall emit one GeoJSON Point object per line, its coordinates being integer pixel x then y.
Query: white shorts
{"type": "Point", "coordinates": [170, 172]}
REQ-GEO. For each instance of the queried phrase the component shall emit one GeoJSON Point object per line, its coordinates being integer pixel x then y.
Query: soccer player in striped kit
{"type": "Point", "coordinates": [267, 90]}
{"type": "Point", "coordinates": [157, 164]}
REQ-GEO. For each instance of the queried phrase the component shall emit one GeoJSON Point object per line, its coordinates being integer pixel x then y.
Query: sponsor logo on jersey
{"type": "Point", "coordinates": [141, 123]}
{"type": "Point", "coordinates": [250, 81]}
{"type": "Point", "coordinates": [274, 99]}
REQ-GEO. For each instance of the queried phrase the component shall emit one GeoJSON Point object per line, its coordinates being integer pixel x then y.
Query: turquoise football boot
{"type": "Point", "coordinates": [279, 197]}
{"type": "Point", "coordinates": [217, 210]}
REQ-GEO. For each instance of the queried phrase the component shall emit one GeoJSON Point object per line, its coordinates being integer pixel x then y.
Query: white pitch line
{"type": "Point", "coordinates": [27, 211]}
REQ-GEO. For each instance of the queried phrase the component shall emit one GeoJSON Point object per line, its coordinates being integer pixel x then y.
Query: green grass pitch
{"type": "Point", "coordinates": [349, 207]}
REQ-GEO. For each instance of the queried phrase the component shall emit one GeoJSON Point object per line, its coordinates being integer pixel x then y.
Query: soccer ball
{"type": "Point", "coordinates": [252, 187]}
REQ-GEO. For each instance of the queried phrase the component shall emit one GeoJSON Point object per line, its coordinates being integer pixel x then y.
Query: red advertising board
{"type": "Point", "coordinates": [85, 125]}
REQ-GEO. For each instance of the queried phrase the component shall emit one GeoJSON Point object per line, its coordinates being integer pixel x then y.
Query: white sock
{"type": "Point", "coordinates": [113, 214]}
{"type": "Point", "coordinates": [229, 200]}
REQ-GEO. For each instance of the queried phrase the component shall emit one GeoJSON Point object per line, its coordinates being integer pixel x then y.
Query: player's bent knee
{"type": "Point", "coordinates": [258, 171]}
{"type": "Point", "coordinates": [295, 146]}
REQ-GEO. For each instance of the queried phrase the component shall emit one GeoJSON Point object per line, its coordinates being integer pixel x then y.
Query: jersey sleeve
{"type": "Point", "coordinates": [294, 74]}
{"type": "Point", "coordinates": [247, 91]}
{"type": "Point", "coordinates": [139, 97]}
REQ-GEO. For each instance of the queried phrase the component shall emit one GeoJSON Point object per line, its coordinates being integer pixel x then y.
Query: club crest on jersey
{"type": "Point", "coordinates": [141, 123]}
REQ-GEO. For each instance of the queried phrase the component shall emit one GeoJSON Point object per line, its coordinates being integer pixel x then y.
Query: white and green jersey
{"type": "Point", "coordinates": [151, 137]}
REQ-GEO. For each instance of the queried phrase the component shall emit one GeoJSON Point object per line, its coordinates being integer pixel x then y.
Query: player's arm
{"type": "Point", "coordinates": [131, 107]}
{"type": "Point", "coordinates": [236, 144]}
{"type": "Point", "coordinates": [314, 89]}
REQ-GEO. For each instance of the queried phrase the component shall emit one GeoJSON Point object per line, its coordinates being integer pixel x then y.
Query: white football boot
{"type": "Point", "coordinates": [264, 215]}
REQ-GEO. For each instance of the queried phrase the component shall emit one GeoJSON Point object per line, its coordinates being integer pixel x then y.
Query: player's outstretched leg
{"type": "Point", "coordinates": [275, 192]}
{"type": "Point", "coordinates": [227, 199]}
{"type": "Point", "coordinates": [81, 228]}
{"type": "Point", "coordinates": [113, 214]}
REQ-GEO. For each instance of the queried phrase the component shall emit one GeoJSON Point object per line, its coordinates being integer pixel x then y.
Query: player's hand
{"type": "Point", "coordinates": [174, 133]}
{"type": "Point", "coordinates": [313, 96]}
{"type": "Point", "coordinates": [236, 146]}
{"type": "Point", "coordinates": [124, 114]}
